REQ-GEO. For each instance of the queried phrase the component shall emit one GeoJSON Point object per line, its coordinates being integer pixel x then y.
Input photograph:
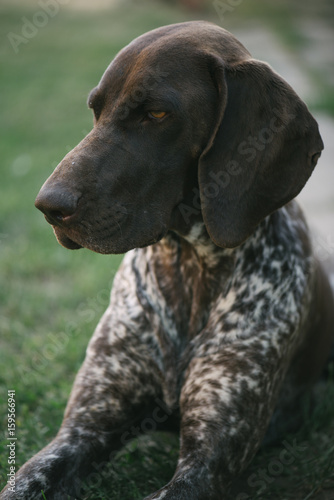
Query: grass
{"type": "Point", "coordinates": [50, 298]}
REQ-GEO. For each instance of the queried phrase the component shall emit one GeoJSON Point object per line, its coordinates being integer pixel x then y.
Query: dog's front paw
{"type": "Point", "coordinates": [175, 491]}
{"type": "Point", "coordinates": [184, 489]}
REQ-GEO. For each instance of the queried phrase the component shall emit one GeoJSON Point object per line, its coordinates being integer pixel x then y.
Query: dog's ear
{"type": "Point", "coordinates": [263, 148]}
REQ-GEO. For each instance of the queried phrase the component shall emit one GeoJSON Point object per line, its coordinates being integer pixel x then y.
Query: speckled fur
{"type": "Point", "coordinates": [224, 363]}
{"type": "Point", "coordinates": [216, 340]}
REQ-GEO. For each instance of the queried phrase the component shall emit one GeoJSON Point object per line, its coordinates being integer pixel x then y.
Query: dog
{"type": "Point", "coordinates": [220, 316]}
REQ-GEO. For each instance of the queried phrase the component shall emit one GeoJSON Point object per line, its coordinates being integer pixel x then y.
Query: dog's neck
{"type": "Point", "coordinates": [198, 239]}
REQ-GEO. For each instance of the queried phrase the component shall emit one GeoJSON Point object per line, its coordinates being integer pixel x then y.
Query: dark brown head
{"type": "Point", "coordinates": [183, 110]}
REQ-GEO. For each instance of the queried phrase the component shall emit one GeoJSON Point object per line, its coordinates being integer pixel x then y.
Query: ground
{"type": "Point", "coordinates": [51, 299]}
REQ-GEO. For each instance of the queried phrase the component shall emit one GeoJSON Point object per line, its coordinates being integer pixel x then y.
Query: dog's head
{"type": "Point", "coordinates": [187, 127]}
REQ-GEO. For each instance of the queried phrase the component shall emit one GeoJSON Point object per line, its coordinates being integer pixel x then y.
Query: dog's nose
{"type": "Point", "coordinates": [57, 204]}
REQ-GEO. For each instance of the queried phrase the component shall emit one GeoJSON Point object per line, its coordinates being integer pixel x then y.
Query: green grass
{"type": "Point", "coordinates": [51, 298]}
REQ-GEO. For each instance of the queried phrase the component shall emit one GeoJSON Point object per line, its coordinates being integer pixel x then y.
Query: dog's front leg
{"type": "Point", "coordinates": [116, 387]}
{"type": "Point", "coordinates": [226, 403]}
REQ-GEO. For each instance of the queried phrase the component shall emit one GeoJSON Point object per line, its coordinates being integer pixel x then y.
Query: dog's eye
{"type": "Point", "coordinates": [157, 115]}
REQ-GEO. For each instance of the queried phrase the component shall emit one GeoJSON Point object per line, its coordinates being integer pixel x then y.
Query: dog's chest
{"type": "Point", "coordinates": [180, 286]}
{"type": "Point", "coordinates": [177, 290]}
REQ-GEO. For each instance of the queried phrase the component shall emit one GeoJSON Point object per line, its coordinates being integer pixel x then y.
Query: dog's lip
{"type": "Point", "coordinates": [64, 240]}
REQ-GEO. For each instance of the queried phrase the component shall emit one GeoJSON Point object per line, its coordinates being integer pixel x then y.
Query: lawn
{"type": "Point", "coordinates": [52, 298]}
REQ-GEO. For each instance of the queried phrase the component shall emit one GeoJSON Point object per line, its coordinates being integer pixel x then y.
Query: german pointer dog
{"type": "Point", "coordinates": [220, 316]}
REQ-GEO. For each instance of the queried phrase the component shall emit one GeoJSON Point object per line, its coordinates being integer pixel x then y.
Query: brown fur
{"type": "Point", "coordinates": [219, 313]}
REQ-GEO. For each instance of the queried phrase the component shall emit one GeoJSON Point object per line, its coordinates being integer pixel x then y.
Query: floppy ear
{"type": "Point", "coordinates": [264, 147]}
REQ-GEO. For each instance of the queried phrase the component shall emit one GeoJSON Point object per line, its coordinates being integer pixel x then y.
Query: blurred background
{"type": "Point", "coordinates": [52, 53]}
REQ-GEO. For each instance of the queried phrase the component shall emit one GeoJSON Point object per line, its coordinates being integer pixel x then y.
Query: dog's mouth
{"type": "Point", "coordinates": [104, 243]}
{"type": "Point", "coordinates": [106, 234]}
{"type": "Point", "coordinates": [64, 240]}
{"type": "Point", "coordinates": [96, 235]}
